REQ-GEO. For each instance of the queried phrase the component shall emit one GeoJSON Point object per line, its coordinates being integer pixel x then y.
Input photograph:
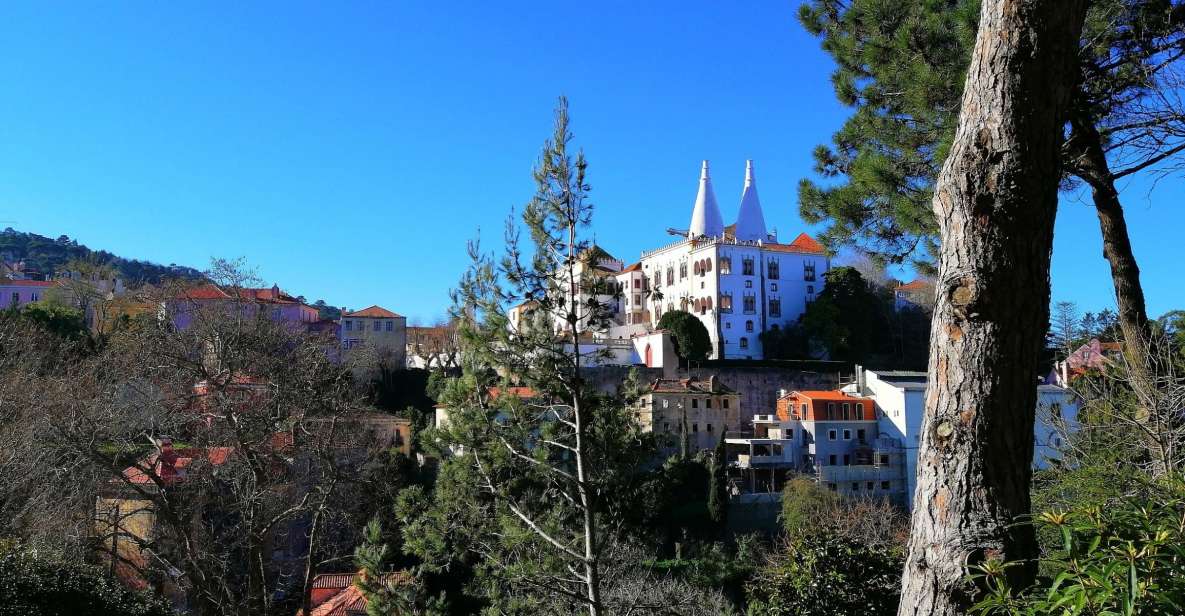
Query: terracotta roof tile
{"type": "Point", "coordinates": [826, 395]}
{"type": "Point", "coordinates": [803, 244]}
{"type": "Point", "coordinates": [349, 601]}
{"type": "Point", "coordinates": [517, 392]}
{"type": "Point", "coordinates": [28, 283]}
{"type": "Point", "coordinates": [917, 284]}
{"type": "Point", "coordinates": [374, 312]}
{"type": "Point", "coordinates": [170, 465]}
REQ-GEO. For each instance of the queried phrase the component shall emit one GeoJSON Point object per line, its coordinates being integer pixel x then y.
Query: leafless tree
{"type": "Point", "coordinates": [1064, 327]}
{"type": "Point", "coordinates": [438, 345]}
{"type": "Point", "coordinates": [1114, 410]}
{"type": "Point", "coordinates": [216, 455]}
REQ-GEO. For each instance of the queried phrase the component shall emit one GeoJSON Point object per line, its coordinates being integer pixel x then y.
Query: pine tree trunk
{"type": "Point", "coordinates": [592, 564]}
{"type": "Point", "coordinates": [995, 202]}
{"type": "Point", "coordinates": [1092, 166]}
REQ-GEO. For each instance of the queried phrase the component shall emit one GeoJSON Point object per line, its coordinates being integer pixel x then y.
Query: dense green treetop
{"type": "Point", "coordinates": [900, 66]}
{"type": "Point", "coordinates": [691, 338]}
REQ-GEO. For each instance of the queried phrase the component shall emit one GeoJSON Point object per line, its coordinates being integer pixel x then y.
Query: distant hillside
{"type": "Point", "coordinates": [49, 255]}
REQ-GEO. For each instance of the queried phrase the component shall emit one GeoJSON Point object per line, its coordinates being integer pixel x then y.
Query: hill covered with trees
{"type": "Point", "coordinates": [48, 255]}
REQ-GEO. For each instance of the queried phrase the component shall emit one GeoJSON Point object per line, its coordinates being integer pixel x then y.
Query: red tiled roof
{"type": "Point", "coordinates": [680, 386]}
{"type": "Point", "coordinates": [170, 465]}
{"type": "Point", "coordinates": [210, 291]}
{"type": "Point", "coordinates": [28, 283]}
{"type": "Point", "coordinates": [205, 291]}
{"type": "Point", "coordinates": [803, 243]}
{"type": "Point", "coordinates": [348, 600]}
{"type": "Point", "coordinates": [333, 580]}
{"type": "Point", "coordinates": [633, 268]}
{"type": "Point", "coordinates": [374, 312]}
{"type": "Point", "coordinates": [517, 392]}
{"type": "Point", "coordinates": [917, 284]}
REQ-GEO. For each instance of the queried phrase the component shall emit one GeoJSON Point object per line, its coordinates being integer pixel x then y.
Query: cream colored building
{"type": "Point", "coordinates": [380, 333]}
{"type": "Point", "coordinates": [707, 405]}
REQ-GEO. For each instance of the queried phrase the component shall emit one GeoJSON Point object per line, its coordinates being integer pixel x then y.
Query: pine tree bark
{"type": "Point", "coordinates": [995, 202]}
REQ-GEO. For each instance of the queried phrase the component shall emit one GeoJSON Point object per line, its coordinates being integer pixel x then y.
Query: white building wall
{"type": "Point", "coordinates": [901, 406]}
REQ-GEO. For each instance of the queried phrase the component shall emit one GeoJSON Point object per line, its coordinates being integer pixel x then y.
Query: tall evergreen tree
{"type": "Point", "coordinates": [540, 466]}
{"type": "Point", "coordinates": [718, 484]}
{"type": "Point", "coordinates": [901, 66]}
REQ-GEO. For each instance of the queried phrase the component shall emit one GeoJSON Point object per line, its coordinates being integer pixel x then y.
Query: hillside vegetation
{"type": "Point", "coordinates": [48, 255]}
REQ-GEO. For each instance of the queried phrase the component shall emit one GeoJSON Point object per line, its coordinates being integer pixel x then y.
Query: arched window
{"type": "Point", "coordinates": [744, 343]}
{"type": "Point", "coordinates": [707, 265]}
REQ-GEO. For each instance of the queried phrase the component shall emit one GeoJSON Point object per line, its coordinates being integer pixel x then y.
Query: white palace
{"type": "Point", "coordinates": [738, 279]}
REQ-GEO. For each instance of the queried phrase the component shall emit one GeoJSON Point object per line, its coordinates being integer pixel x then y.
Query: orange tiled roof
{"type": "Point", "coordinates": [917, 284]}
{"type": "Point", "coordinates": [633, 268]}
{"type": "Point", "coordinates": [374, 312]}
{"type": "Point", "coordinates": [802, 243]}
{"type": "Point", "coordinates": [517, 392]}
{"type": "Point", "coordinates": [818, 394]}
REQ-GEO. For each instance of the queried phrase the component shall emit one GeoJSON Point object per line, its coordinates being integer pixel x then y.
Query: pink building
{"type": "Point", "coordinates": [278, 305]}
{"type": "Point", "coordinates": [17, 293]}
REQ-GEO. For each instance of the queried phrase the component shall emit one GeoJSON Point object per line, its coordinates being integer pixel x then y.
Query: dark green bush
{"type": "Point", "coordinates": [32, 584]}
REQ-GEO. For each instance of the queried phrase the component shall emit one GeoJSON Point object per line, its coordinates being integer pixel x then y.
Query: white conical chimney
{"type": "Point", "coordinates": [705, 218]}
{"type": "Point", "coordinates": [750, 220]}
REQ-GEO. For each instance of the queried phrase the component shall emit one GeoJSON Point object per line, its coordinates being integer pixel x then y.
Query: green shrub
{"type": "Point", "coordinates": [32, 584]}
{"type": "Point", "coordinates": [1125, 558]}
{"type": "Point", "coordinates": [824, 574]}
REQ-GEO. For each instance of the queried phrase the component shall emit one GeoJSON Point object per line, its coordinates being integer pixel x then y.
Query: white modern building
{"type": "Point", "coordinates": [901, 402]}
{"type": "Point", "coordinates": [863, 439]}
{"type": "Point", "coordinates": [738, 279]}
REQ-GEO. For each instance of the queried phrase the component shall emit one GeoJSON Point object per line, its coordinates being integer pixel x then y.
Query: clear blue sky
{"type": "Point", "coordinates": [349, 150]}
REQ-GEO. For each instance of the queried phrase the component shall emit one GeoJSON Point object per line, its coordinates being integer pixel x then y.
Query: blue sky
{"type": "Point", "coordinates": [348, 151]}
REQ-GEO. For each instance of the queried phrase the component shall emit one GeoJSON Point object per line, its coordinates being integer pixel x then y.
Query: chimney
{"type": "Point", "coordinates": [165, 445]}
{"type": "Point", "coordinates": [712, 383]}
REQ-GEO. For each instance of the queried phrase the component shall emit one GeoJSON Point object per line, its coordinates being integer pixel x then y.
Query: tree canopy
{"type": "Point", "coordinates": [691, 338]}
